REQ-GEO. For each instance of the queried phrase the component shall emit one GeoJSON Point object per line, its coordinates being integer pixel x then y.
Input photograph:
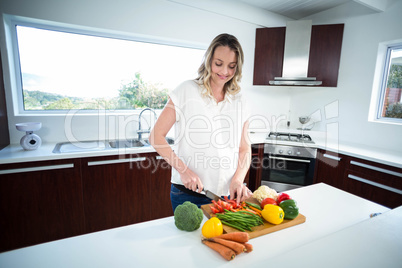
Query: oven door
{"type": "Point", "coordinates": [282, 172]}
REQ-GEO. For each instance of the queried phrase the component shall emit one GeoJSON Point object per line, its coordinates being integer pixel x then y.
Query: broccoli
{"type": "Point", "coordinates": [188, 216]}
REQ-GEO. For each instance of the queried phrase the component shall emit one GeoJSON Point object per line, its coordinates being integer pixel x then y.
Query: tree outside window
{"type": "Point", "coordinates": [392, 102]}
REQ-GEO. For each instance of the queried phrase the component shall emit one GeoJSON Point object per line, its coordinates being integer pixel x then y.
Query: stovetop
{"type": "Point", "coordinates": [284, 136]}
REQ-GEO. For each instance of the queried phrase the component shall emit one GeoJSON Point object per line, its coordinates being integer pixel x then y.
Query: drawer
{"type": "Point", "coordinates": [384, 174]}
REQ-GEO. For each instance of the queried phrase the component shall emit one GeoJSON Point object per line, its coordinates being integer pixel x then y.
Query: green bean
{"type": "Point", "coordinates": [234, 226]}
{"type": "Point", "coordinates": [253, 205]}
{"type": "Point", "coordinates": [241, 220]}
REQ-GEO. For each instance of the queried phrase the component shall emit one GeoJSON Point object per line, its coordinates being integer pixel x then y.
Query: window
{"type": "Point", "coordinates": [390, 106]}
{"type": "Point", "coordinates": [63, 68]}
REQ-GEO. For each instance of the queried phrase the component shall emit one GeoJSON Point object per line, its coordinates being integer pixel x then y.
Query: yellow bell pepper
{"type": "Point", "coordinates": [273, 214]}
{"type": "Point", "coordinates": [212, 227]}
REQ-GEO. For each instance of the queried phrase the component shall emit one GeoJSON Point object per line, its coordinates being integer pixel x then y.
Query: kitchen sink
{"type": "Point", "coordinates": [81, 146]}
{"type": "Point", "coordinates": [134, 143]}
{"type": "Point", "coordinates": [169, 140]}
{"type": "Point", "coordinates": [127, 143]}
{"type": "Point", "coordinates": [88, 146]}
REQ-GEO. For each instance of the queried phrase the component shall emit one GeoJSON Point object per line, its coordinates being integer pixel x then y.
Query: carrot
{"type": "Point", "coordinates": [241, 237]}
{"type": "Point", "coordinates": [225, 252]}
{"type": "Point", "coordinates": [256, 210]}
{"type": "Point", "coordinates": [235, 246]}
{"type": "Point", "coordinates": [248, 247]}
{"type": "Point", "coordinates": [252, 211]}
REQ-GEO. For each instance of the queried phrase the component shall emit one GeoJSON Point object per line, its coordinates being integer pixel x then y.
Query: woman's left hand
{"type": "Point", "coordinates": [239, 191]}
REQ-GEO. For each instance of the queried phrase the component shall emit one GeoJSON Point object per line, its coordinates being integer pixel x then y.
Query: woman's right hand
{"type": "Point", "coordinates": [191, 180]}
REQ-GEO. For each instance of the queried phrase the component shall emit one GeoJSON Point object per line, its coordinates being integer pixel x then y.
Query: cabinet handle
{"type": "Point", "coordinates": [390, 172]}
{"type": "Point", "coordinates": [385, 187]}
{"type": "Point", "coordinates": [290, 159]}
{"type": "Point", "coordinates": [116, 161]}
{"type": "Point", "coordinates": [332, 157]}
{"type": "Point", "coordinates": [30, 169]}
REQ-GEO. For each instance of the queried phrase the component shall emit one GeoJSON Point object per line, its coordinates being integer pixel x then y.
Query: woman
{"type": "Point", "coordinates": [212, 150]}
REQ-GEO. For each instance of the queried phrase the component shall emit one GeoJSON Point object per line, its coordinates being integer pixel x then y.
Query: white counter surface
{"type": "Point", "coordinates": [15, 154]}
{"type": "Point", "coordinates": [159, 243]}
{"type": "Point", "coordinates": [375, 242]}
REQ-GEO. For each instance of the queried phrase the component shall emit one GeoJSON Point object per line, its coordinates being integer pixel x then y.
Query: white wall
{"type": "Point", "coordinates": [362, 35]}
{"type": "Point", "coordinates": [346, 106]}
{"type": "Point", "coordinates": [158, 18]}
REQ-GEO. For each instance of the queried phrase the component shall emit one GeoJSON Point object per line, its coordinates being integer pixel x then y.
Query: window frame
{"type": "Point", "coordinates": [10, 23]}
{"type": "Point", "coordinates": [380, 83]}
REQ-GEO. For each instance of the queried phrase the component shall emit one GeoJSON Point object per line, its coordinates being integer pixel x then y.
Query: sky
{"type": "Point", "coordinates": [89, 66]}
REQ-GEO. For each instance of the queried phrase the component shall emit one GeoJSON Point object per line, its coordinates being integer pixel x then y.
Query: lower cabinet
{"type": "Point", "coordinates": [40, 202]}
{"type": "Point", "coordinates": [116, 191]}
{"type": "Point", "coordinates": [370, 180]}
{"type": "Point", "coordinates": [159, 194]}
{"type": "Point", "coordinates": [49, 200]}
{"type": "Point", "coordinates": [125, 189]}
{"type": "Point", "coordinates": [377, 182]}
{"type": "Point", "coordinates": [254, 177]}
{"type": "Point", "coordinates": [330, 168]}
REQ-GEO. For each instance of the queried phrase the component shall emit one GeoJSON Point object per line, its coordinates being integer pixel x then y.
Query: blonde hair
{"type": "Point", "coordinates": [204, 71]}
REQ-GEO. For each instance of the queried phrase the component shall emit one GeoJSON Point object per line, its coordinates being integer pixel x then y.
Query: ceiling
{"type": "Point", "coordinates": [295, 9]}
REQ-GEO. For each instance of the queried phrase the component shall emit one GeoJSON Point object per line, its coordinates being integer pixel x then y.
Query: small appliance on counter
{"type": "Point", "coordinates": [30, 141]}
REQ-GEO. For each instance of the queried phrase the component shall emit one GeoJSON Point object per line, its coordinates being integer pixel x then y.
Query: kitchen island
{"type": "Point", "coordinates": [158, 243]}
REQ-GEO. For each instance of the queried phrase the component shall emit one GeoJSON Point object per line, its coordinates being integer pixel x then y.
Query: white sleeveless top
{"type": "Point", "coordinates": [207, 135]}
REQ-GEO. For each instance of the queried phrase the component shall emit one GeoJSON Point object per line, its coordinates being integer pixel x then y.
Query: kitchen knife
{"type": "Point", "coordinates": [211, 195]}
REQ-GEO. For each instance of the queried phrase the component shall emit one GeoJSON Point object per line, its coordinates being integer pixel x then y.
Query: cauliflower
{"type": "Point", "coordinates": [263, 192]}
{"type": "Point", "coordinates": [188, 216]}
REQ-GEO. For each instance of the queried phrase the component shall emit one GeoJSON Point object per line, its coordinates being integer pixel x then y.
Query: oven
{"type": "Point", "coordinates": [286, 167]}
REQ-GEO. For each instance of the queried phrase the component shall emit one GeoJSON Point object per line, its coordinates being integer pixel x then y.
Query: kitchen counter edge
{"type": "Point", "coordinates": [15, 154]}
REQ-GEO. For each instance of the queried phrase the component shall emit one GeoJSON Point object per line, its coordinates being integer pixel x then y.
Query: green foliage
{"type": "Point", "coordinates": [61, 104]}
{"type": "Point", "coordinates": [394, 110]}
{"type": "Point", "coordinates": [188, 217]}
{"type": "Point", "coordinates": [136, 94]}
{"type": "Point", "coordinates": [139, 94]}
{"type": "Point", "coordinates": [395, 76]}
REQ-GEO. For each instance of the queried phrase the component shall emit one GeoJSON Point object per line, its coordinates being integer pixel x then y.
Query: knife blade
{"type": "Point", "coordinates": [211, 195]}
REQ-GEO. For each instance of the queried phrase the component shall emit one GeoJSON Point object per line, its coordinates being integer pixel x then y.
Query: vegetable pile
{"type": "Point", "coordinates": [275, 211]}
{"type": "Point", "coordinates": [229, 245]}
{"type": "Point", "coordinates": [241, 220]}
{"type": "Point", "coordinates": [273, 208]}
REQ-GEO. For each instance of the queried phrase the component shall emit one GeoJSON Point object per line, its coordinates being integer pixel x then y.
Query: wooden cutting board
{"type": "Point", "coordinates": [258, 230]}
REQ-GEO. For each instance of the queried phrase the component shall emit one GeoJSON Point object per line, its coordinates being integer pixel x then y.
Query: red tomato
{"type": "Point", "coordinates": [268, 201]}
{"type": "Point", "coordinates": [282, 197]}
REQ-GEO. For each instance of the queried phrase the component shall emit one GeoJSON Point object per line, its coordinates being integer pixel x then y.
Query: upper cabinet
{"type": "Point", "coordinates": [324, 56]}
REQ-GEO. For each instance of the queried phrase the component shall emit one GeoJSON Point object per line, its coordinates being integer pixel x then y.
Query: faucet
{"type": "Point", "coordinates": [141, 131]}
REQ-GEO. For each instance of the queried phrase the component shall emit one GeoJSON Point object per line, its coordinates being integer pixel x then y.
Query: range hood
{"type": "Point", "coordinates": [296, 56]}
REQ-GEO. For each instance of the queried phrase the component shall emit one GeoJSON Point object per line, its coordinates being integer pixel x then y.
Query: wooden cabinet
{"type": "Point", "coordinates": [330, 167]}
{"type": "Point", "coordinates": [40, 202]}
{"type": "Point", "coordinates": [116, 191]}
{"type": "Point", "coordinates": [376, 182]}
{"type": "Point", "coordinates": [125, 189]}
{"type": "Point", "coordinates": [324, 58]}
{"type": "Point", "coordinates": [257, 154]}
{"type": "Point", "coordinates": [160, 205]}
{"type": "Point", "coordinates": [48, 200]}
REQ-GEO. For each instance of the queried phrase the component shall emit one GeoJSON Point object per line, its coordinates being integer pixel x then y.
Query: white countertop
{"type": "Point", "coordinates": [159, 243]}
{"type": "Point", "coordinates": [15, 154]}
{"type": "Point", "coordinates": [371, 153]}
{"type": "Point", "coordinates": [375, 242]}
